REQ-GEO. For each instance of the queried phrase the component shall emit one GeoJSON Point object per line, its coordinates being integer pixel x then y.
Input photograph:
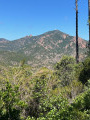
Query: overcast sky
{"type": "Point", "coordinates": [19, 18]}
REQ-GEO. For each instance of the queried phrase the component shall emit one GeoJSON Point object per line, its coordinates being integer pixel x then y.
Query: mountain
{"type": "Point", "coordinates": [42, 50]}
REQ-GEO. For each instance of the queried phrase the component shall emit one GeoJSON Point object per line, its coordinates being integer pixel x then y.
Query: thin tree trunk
{"type": "Point", "coordinates": [89, 20]}
{"type": "Point", "coordinates": [77, 48]}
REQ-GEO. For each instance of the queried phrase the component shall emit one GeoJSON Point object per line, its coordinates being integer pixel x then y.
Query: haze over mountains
{"type": "Point", "coordinates": [42, 50]}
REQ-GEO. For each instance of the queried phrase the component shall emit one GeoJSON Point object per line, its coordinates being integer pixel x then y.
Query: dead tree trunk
{"type": "Point", "coordinates": [89, 22]}
{"type": "Point", "coordinates": [77, 47]}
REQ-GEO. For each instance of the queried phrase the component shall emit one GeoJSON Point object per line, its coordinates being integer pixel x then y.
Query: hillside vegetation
{"type": "Point", "coordinates": [41, 50]}
{"type": "Point", "coordinates": [62, 93]}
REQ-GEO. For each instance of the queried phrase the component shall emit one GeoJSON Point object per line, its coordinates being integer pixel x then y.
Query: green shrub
{"type": "Point", "coordinates": [10, 103]}
{"type": "Point", "coordinates": [85, 72]}
{"type": "Point", "coordinates": [65, 70]}
{"type": "Point", "coordinates": [82, 102]}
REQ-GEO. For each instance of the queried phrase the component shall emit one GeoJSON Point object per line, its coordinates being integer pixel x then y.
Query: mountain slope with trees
{"type": "Point", "coordinates": [41, 50]}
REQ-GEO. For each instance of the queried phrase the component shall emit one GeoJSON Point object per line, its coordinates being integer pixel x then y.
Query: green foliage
{"type": "Point", "coordinates": [10, 103]}
{"type": "Point", "coordinates": [30, 118]}
{"type": "Point", "coordinates": [65, 70]}
{"type": "Point", "coordinates": [82, 105]}
{"type": "Point", "coordinates": [85, 72]}
{"type": "Point", "coordinates": [66, 60]}
{"type": "Point", "coordinates": [82, 102]}
{"type": "Point", "coordinates": [46, 94]}
{"type": "Point", "coordinates": [38, 96]}
{"type": "Point", "coordinates": [57, 105]}
{"type": "Point", "coordinates": [87, 85]}
{"type": "Point", "coordinates": [19, 76]}
{"type": "Point", "coordinates": [61, 110]}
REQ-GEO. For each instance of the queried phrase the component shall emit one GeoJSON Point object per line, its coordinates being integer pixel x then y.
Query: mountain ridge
{"type": "Point", "coordinates": [45, 49]}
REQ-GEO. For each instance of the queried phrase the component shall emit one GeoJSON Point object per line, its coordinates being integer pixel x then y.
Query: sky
{"type": "Point", "coordinates": [19, 18]}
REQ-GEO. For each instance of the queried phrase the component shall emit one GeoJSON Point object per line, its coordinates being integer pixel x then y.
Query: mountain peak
{"type": "Point", "coordinates": [45, 49]}
{"type": "Point", "coordinates": [54, 31]}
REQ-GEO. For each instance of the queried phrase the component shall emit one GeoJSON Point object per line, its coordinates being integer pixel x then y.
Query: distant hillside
{"type": "Point", "coordinates": [41, 50]}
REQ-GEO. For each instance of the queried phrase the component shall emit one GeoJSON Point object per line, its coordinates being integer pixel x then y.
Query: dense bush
{"type": "Point", "coordinates": [65, 70]}
{"type": "Point", "coordinates": [10, 103]}
{"type": "Point", "coordinates": [59, 94]}
{"type": "Point", "coordinates": [85, 72]}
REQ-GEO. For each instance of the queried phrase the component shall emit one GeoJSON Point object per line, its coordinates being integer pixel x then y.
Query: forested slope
{"type": "Point", "coordinates": [41, 50]}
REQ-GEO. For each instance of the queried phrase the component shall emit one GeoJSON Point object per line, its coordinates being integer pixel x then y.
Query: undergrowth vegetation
{"type": "Point", "coordinates": [59, 94]}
